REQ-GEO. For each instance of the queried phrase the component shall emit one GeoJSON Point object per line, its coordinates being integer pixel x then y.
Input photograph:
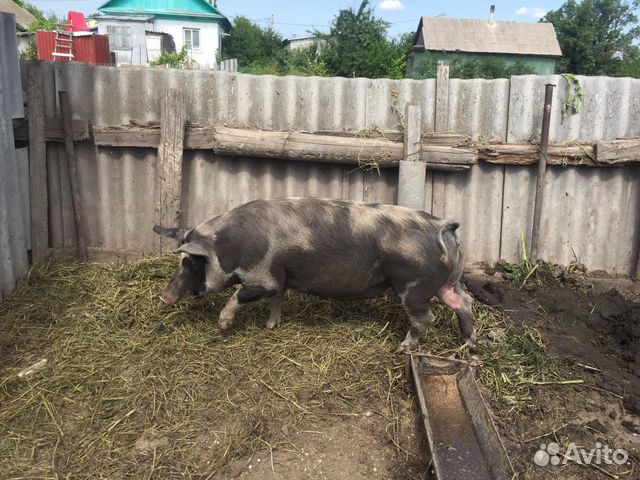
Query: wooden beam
{"type": "Point", "coordinates": [529, 154]}
{"type": "Point", "coordinates": [297, 146]}
{"type": "Point", "coordinates": [37, 167]}
{"type": "Point", "coordinates": [173, 118]}
{"type": "Point", "coordinates": [618, 151]}
{"type": "Point", "coordinates": [53, 131]}
{"type": "Point", "coordinates": [70, 150]}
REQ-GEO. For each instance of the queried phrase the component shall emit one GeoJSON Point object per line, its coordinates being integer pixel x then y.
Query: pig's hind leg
{"type": "Point", "coordinates": [461, 303]}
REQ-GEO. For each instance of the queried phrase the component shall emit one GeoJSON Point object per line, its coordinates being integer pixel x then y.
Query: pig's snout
{"type": "Point", "coordinates": [166, 298]}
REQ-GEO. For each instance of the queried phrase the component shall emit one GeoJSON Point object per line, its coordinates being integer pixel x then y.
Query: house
{"type": "Point", "coordinates": [24, 18]}
{"type": "Point", "coordinates": [298, 43]}
{"type": "Point", "coordinates": [196, 25]}
{"type": "Point", "coordinates": [534, 44]}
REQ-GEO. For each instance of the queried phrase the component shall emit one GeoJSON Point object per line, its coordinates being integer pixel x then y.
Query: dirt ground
{"type": "Point", "coordinates": [136, 390]}
{"type": "Point", "coordinates": [598, 335]}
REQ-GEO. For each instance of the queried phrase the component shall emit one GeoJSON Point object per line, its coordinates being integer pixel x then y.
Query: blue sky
{"type": "Point", "coordinates": [297, 17]}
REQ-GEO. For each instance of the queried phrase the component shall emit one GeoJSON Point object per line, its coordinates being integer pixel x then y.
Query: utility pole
{"type": "Point", "coordinates": [272, 24]}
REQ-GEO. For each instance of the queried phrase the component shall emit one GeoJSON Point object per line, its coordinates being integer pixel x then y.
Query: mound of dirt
{"type": "Point", "coordinates": [601, 331]}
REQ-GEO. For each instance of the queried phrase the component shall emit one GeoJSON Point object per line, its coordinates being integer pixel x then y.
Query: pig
{"type": "Point", "coordinates": [329, 248]}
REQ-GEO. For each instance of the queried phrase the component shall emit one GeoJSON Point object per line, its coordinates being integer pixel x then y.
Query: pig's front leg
{"type": "Point", "coordinates": [275, 313]}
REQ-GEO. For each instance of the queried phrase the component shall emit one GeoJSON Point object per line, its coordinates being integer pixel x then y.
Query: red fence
{"type": "Point", "coordinates": [92, 49]}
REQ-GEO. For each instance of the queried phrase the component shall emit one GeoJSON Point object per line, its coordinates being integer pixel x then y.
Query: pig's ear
{"type": "Point", "coordinates": [193, 248]}
{"type": "Point", "coordinates": [179, 234]}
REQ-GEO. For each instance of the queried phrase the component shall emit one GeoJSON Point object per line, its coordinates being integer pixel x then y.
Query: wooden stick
{"type": "Point", "coordinates": [70, 150]}
{"type": "Point", "coordinates": [37, 167]}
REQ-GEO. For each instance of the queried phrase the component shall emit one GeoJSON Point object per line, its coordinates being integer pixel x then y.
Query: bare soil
{"type": "Point", "coordinates": [598, 335]}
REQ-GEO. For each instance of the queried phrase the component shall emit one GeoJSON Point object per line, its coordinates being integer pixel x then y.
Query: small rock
{"type": "Point", "coordinates": [597, 426]}
{"type": "Point", "coordinates": [632, 427]}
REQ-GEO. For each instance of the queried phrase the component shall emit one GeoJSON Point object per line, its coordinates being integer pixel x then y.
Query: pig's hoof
{"type": "Point", "coordinates": [224, 323]}
{"type": "Point", "coordinates": [405, 347]}
{"type": "Point", "coordinates": [472, 342]}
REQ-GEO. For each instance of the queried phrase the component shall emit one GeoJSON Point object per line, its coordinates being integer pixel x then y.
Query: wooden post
{"type": "Point", "coordinates": [37, 167]}
{"type": "Point", "coordinates": [542, 170]}
{"type": "Point", "coordinates": [173, 114]}
{"type": "Point", "coordinates": [412, 173]}
{"type": "Point", "coordinates": [70, 151]}
{"type": "Point", "coordinates": [442, 98]}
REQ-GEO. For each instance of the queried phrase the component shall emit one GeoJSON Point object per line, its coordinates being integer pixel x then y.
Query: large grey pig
{"type": "Point", "coordinates": [330, 248]}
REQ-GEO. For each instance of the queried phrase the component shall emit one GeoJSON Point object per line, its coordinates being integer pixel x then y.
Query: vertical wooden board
{"type": "Point", "coordinates": [169, 170]}
{"type": "Point", "coordinates": [412, 171]}
{"type": "Point", "coordinates": [22, 164]}
{"type": "Point", "coordinates": [37, 166]}
{"type": "Point", "coordinates": [68, 221]}
{"type": "Point", "coordinates": [442, 98]}
{"type": "Point", "coordinates": [517, 211]}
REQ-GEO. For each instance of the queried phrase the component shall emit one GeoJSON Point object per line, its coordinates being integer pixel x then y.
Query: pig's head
{"type": "Point", "coordinates": [190, 278]}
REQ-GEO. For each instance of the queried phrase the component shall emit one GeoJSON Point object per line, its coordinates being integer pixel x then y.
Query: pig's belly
{"type": "Point", "coordinates": [338, 282]}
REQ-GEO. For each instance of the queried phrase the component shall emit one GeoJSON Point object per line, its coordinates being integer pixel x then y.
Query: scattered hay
{"type": "Point", "coordinates": [132, 388]}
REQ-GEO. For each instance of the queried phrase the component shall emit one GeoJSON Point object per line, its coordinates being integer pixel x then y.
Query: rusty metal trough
{"type": "Point", "coordinates": [463, 439]}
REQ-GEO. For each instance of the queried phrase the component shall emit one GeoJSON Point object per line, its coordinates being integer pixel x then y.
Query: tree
{"type": "Point", "coordinates": [252, 45]}
{"type": "Point", "coordinates": [42, 22]}
{"type": "Point", "coordinates": [594, 34]}
{"type": "Point", "coordinates": [357, 44]}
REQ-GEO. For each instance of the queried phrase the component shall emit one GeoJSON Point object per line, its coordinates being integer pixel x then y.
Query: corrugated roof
{"type": "Point", "coordinates": [485, 36]}
{"type": "Point", "coordinates": [23, 17]}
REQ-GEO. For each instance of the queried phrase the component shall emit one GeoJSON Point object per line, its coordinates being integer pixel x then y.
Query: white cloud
{"type": "Point", "coordinates": [534, 12]}
{"type": "Point", "coordinates": [391, 5]}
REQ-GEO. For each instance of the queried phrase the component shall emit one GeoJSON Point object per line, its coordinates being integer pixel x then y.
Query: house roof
{"type": "Point", "coordinates": [485, 36]}
{"type": "Point", "coordinates": [23, 17]}
{"type": "Point", "coordinates": [199, 10]}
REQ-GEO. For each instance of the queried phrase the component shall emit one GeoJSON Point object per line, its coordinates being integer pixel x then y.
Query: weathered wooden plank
{"type": "Point", "coordinates": [53, 131]}
{"type": "Point", "coordinates": [618, 151]}
{"type": "Point", "coordinates": [442, 98]}
{"type": "Point", "coordinates": [70, 151]}
{"type": "Point", "coordinates": [37, 167]}
{"type": "Point", "coordinates": [173, 118]}
{"type": "Point", "coordinates": [528, 154]}
{"type": "Point", "coordinates": [412, 170]}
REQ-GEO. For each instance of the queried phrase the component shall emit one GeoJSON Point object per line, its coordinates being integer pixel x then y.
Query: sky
{"type": "Point", "coordinates": [296, 18]}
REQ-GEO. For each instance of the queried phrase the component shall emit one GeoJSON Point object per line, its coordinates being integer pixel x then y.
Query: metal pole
{"type": "Point", "coordinates": [542, 169]}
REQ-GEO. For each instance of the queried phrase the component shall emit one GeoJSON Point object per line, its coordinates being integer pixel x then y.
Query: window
{"type": "Point", "coordinates": [119, 36]}
{"type": "Point", "coordinates": [192, 39]}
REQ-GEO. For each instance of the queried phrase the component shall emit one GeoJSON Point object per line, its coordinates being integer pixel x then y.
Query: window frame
{"type": "Point", "coordinates": [191, 31]}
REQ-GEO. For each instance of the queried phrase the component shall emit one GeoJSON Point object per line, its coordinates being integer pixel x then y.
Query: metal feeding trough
{"type": "Point", "coordinates": [462, 437]}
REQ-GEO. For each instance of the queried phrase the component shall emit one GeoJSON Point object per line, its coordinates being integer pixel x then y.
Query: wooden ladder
{"type": "Point", "coordinates": [63, 43]}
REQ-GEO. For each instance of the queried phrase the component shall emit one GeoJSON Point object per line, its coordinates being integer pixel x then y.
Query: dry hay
{"type": "Point", "coordinates": [134, 388]}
